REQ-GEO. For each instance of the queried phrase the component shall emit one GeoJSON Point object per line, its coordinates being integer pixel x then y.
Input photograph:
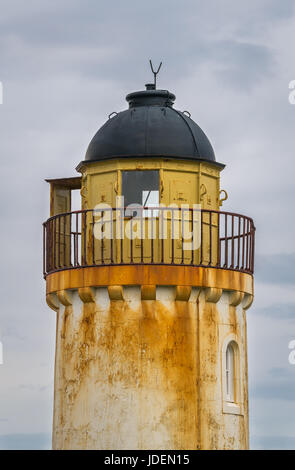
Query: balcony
{"type": "Point", "coordinates": [149, 236]}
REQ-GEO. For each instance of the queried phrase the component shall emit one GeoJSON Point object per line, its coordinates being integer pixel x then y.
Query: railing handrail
{"type": "Point", "coordinates": [67, 247]}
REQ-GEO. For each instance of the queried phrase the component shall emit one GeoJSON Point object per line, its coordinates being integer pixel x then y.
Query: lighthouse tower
{"type": "Point", "coordinates": [150, 282]}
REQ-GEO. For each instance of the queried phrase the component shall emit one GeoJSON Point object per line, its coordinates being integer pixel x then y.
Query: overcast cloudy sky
{"type": "Point", "coordinates": [65, 66]}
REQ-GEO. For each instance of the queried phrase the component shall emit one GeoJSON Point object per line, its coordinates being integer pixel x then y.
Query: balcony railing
{"type": "Point", "coordinates": [157, 236]}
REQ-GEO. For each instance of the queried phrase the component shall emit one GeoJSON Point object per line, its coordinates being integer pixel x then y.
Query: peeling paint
{"type": "Point", "coordinates": [144, 378]}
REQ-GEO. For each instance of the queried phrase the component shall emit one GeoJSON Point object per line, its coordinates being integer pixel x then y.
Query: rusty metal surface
{"type": "Point", "coordinates": [70, 241]}
{"type": "Point", "coordinates": [72, 182]}
{"type": "Point", "coordinates": [150, 275]}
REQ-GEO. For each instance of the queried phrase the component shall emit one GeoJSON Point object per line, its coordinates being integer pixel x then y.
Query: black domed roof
{"type": "Point", "coordinates": [151, 127]}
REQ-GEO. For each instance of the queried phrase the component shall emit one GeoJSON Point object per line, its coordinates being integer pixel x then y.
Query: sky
{"type": "Point", "coordinates": [65, 66]}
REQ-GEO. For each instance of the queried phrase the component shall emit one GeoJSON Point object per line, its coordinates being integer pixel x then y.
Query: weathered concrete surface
{"type": "Point", "coordinates": [146, 374]}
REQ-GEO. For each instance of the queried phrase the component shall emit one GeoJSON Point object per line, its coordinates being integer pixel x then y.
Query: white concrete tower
{"type": "Point", "coordinates": [151, 338]}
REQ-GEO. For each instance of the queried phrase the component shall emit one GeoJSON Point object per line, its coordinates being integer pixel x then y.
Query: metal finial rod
{"type": "Point", "coordinates": [155, 72]}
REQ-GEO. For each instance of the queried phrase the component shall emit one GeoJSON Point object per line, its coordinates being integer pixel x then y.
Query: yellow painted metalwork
{"type": "Point", "coordinates": [181, 182]}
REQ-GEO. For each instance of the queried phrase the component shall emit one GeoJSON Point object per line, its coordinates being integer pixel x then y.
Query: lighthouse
{"type": "Point", "coordinates": [150, 281]}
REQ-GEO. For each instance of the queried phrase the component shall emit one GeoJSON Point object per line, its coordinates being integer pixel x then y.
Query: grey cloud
{"type": "Point", "coordinates": [243, 65]}
{"type": "Point", "coordinates": [278, 372]}
{"type": "Point", "coordinates": [37, 441]}
{"type": "Point", "coordinates": [272, 443]}
{"type": "Point", "coordinates": [281, 311]}
{"type": "Point", "coordinates": [65, 66]}
{"type": "Point", "coordinates": [277, 387]}
{"type": "Point", "coordinates": [101, 41]}
{"type": "Point", "coordinates": [275, 269]}
{"type": "Point", "coordinates": [31, 387]}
